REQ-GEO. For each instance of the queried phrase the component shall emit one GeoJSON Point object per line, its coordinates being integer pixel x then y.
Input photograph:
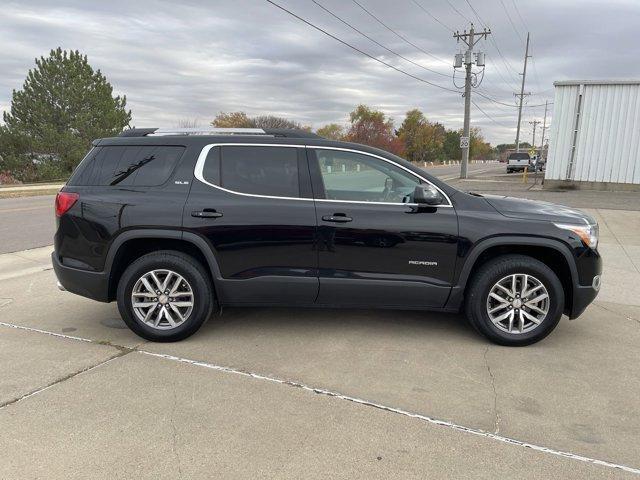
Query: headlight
{"type": "Point", "coordinates": [587, 233]}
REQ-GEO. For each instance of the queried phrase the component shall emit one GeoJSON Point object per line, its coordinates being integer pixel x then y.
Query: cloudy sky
{"type": "Point", "coordinates": [188, 60]}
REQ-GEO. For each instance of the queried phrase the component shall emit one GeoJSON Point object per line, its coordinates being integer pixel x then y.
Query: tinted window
{"type": "Point", "coordinates": [358, 177]}
{"type": "Point", "coordinates": [211, 169]}
{"type": "Point", "coordinates": [127, 166]}
{"type": "Point", "coordinates": [519, 156]}
{"type": "Point", "coordinates": [260, 170]}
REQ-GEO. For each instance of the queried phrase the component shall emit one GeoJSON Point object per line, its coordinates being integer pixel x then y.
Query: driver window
{"type": "Point", "coordinates": [357, 177]}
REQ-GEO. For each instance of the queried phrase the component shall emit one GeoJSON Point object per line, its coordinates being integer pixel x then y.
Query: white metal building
{"type": "Point", "coordinates": [595, 134]}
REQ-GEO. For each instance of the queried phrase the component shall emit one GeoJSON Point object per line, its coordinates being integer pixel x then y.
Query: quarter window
{"type": "Point", "coordinates": [271, 171]}
{"type": "Point", "coordinates": [140, 166]}
{"type": "Point", "coordinates": [356, 177]}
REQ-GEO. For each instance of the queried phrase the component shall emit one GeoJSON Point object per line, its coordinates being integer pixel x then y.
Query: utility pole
{"type": "Point", "coordinates": [469, 39]}
{"type": "Point", "coordinates": [544, 128]}
{"type": "Point", "coordinates": [535, 123]}
{"type": "Point", "coordinates": [522, 94]}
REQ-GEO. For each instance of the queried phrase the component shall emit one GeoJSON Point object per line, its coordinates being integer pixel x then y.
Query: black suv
{"type": "Point", "coordinates": [173, 225]}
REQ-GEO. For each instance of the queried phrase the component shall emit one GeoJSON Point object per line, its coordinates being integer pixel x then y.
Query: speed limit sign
{"type": "Point", "coordinates": [464, 142]}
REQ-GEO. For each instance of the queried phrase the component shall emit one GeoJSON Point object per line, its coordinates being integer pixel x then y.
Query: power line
{"type": "Point", "coordinates": [432, 15]}
{"type": "Point", "coordinates": [458, 11]}
{"type": "Point", "coordinates": [402, 37]}
{"type": "Point", "coordinates": [492, 40]}
{"type": "Point", "coordinates": [505, 80]}
{"type": "Point", "coordinates": [482, 22]}
{"type": "Point", "coordinates": [399, 70]}
{"type": "Point", "coordinates": [511, 21]}
{"type": "Point", "coordinates": [524, 24]}
{"type": "Point", "coordinates": [378, 43]}
{"type": "Point", "coordinates": [489, 116]}
{"type": "Point", "coordinates": [415, 77]}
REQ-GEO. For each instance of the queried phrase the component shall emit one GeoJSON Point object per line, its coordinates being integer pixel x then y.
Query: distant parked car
{"type": "Point", "coordinates": [517, 162]}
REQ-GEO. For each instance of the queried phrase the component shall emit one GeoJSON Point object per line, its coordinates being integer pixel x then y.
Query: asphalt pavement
{"type": "Point", "coordinates": [26, 222]}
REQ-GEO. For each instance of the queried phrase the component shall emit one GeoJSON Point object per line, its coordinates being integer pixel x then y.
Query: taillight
{"type": "Point", "coordinates": [64, 201]}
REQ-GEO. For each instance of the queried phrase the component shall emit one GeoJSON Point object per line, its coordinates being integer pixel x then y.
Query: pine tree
{"type": "Point", "coordinates": [63, 105]}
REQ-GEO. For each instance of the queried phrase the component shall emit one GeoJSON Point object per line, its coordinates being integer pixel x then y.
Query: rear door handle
{"type": "Point", "coordinates": [206, 213]}
{"type": "Point", "coordinates": [337, 218]}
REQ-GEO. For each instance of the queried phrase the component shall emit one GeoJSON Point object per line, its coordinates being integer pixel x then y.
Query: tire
{"type": "Point", "coordinates": [194, 280]}
{"type": "Point", "coordinates": [502, 269]}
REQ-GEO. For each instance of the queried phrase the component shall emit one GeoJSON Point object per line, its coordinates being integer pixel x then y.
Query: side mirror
{"type": "Point", "coordinates": [427, 195]}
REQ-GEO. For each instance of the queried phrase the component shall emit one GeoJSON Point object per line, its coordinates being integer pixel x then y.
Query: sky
{"type": "Point", "coordinates": [189, 60]}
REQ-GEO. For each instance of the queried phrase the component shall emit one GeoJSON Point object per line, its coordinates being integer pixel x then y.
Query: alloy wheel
{"type": "Point", "coordinates": [518, 303]}
{"type": "Point", "coordinates": [162, 299]}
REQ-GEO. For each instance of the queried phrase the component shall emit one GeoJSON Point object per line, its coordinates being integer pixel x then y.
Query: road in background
{"type": "Point", "coordinates": [26, 222]}
{"type": "Point", "coordinates": [447, 172]}
{"type": "Point", "coordinates": [29, 222]}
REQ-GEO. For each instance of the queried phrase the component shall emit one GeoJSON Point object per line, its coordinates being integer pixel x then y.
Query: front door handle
{"type": "Point", "coordinates": [337, 218]}
{"type": "Point", "coordinates": [206, 213]}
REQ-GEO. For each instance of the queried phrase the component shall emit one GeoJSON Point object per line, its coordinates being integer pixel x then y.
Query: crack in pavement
{"type": "Point", "coordinates": [495, 394]}
{"type": "Point", "coordinates": [621, 315]}
{"type": "Point", "coordinates": [121, 353]}
{"type": "Point", "coordinates": [359, 401]}
{"type": "Point", "coordinates": [174, 437]}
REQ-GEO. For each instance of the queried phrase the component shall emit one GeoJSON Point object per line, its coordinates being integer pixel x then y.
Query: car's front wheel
{"type": "Point", "coordinates": [165, 296]}
{"type": "Point", "coordinates": [514, 300]}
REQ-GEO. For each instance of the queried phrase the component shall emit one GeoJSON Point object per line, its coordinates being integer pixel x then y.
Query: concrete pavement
{"type": "Point", "coordinates": [284, 393]}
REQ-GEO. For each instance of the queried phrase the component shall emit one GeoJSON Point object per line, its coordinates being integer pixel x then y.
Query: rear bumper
{"type": "Point", "coordinates": [94, 285]}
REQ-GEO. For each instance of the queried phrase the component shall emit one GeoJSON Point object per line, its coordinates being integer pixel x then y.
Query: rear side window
{"type": "Point", "coordinates": [141, 166]}
{"type": "Point", "coordinates": [211, 169]}
{"type": "Point", "coordinates": [271, 171]}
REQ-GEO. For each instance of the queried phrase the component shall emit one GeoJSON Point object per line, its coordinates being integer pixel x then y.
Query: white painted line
{"type": "Point", "coordinates": [322, 391]}
{"type": "Point", "coordinates": [45, 332]}
{"type": "Point", "coordinates": [399, 411]}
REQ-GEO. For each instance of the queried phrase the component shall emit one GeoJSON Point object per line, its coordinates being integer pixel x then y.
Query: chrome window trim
{"type": "Point", "coordinates": [202, 157]}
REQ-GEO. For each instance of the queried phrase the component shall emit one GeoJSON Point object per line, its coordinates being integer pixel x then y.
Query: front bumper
{"type": "Point", "coordinates": [583, 296]}
{"type": "Point", "coordinates": [94, 285]}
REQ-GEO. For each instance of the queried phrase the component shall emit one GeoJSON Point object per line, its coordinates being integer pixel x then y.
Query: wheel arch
{"type": "Point", "coordinates": [133, 244]}
{"type": "Point", "coordinates": [552, 252]}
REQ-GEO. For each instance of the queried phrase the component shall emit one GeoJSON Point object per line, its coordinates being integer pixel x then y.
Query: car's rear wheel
{"type": "Point", "coordinates": [165, 296]}
{"type": "Point", "coordinates": [514, 300]}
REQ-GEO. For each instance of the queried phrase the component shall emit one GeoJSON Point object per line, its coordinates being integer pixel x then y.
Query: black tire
{"type": "Point", "coordinates": [491, 272]}
{"type": "Point", "coordinates": [186, 266]}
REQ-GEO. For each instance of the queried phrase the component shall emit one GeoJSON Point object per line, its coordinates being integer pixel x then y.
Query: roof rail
{"type": "Point", "coordinates": [143, 132]}
{"type": "Point", "coordinates": [273, 132]}
{"type": "Point", "coordinates": [290, 133]}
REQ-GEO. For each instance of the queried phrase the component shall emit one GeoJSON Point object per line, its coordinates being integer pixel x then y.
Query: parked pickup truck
{"type": "Point", "coordinates": [517, 162]}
